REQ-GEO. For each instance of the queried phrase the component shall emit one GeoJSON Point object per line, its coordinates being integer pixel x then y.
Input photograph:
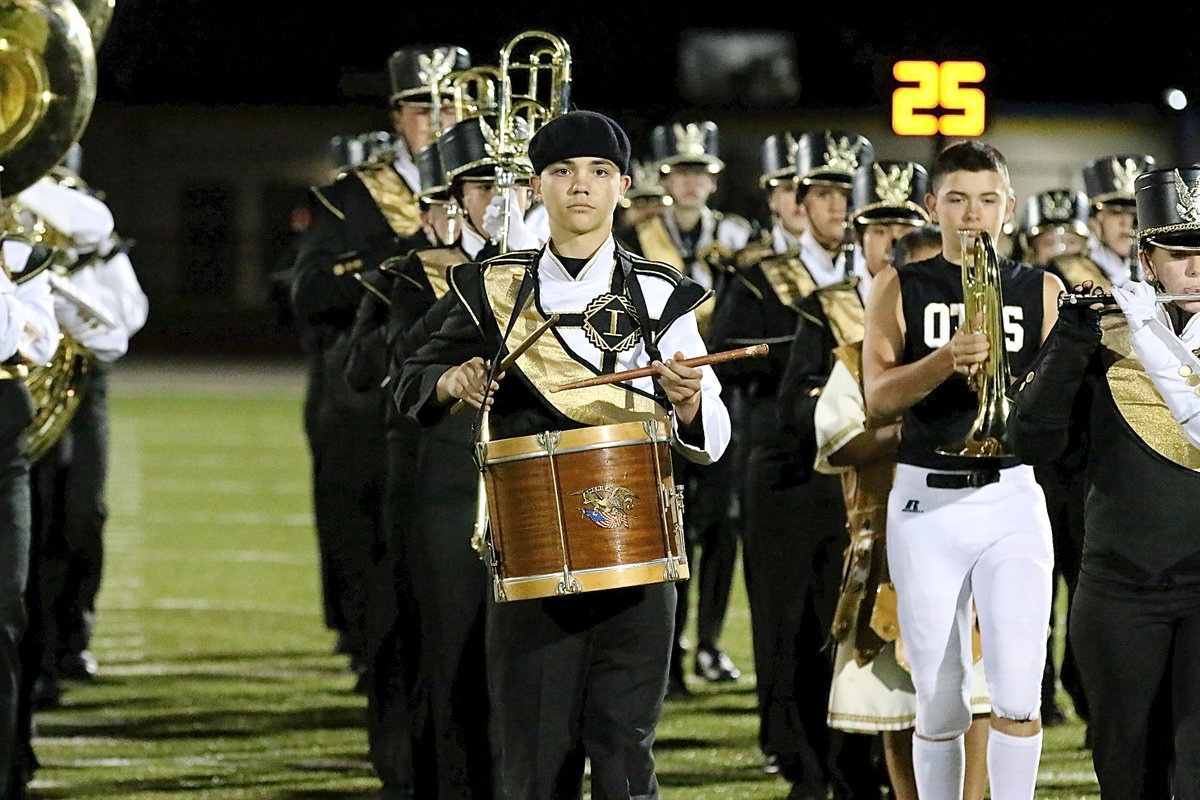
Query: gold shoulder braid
{"type": "Point", "coordinates": [844, 310]}
{"type": "Point", "coordinates": [1138, 401]}
{"type": "Point", "coordinates": [655, 242]}
{"type": "Point", "coordinates": [547, 364]}
{"type": "Point", "coordinates": [788, 276]}
{"type": "Point", "coordinates": [396, 201]}
{"type": "Point", "coordinates": [1077, 269]}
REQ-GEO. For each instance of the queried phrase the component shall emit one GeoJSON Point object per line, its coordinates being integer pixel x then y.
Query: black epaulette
{"type": "Point", "coordinates": [41, 258]}
{"type": "Point", "coordinates": [643, 266]}
{"type": "Point", "coordinates": [322, 194]}
{"type": "Point", "coordinates": [509, 258]}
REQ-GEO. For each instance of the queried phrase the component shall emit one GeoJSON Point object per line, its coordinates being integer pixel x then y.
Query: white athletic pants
{"type": "Point", "coordinates": [949, 546]}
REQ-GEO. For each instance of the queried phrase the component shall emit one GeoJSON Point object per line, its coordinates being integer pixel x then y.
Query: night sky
{"type": "Point", "coordinates": [222, 52]}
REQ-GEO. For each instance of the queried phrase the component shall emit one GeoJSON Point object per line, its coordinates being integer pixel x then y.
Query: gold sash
{"type": "Point", "coordinates": [1077, 269]}
{"type": "Point", "coordinates": [844, 310]}
{"type": "Point", "coordinates": [655, 241]}
{"type": "Point", "coordinates": [435, 262]}
{"type": "Point", "coordinates": [1138, 401]}
{"type": "Point", "coordinates": [396, 201]}
{"type": "Point", "coordinates": [547, 364]}
{"type": "Point", "coordinates": [788, 276]}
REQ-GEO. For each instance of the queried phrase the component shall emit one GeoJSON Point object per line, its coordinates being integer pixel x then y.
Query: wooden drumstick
{"type": "Point", "coordinates": [645, 372]}
{"type": "Point", "coordinates": [515, 353]}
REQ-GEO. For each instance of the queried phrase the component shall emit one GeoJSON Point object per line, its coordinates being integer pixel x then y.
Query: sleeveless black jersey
{"type": "Point", "coordinates": [931, 296]}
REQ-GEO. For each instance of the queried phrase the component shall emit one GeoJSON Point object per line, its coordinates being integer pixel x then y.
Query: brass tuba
{"type": "Point", "coordinates": [47, 90]}
{"type": "Point", "coordinates": [982, 295]}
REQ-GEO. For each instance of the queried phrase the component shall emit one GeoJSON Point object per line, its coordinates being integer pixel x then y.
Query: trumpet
{"type": "Point", "coordinates": [982, 296]}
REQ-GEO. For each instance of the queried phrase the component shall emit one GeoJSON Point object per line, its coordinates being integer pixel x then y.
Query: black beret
{"type": "Point", "coordinates": [577, 134]}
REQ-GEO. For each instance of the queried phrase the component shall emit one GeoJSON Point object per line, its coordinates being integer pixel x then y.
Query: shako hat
{"type": "Point", "coordinates": [890, 191]}
{"type": "Point", "coordinates": [644, 184]}
{"type": "Point", "coordinates": [1109, 180]}
{"type": "Point", "coordinates": [686, 143]}
{"type": "Point", "coordinates": [1168, 207]}
{"type": "Point", "coordinates": [1057, 208]}
{"type": "Point", "coordinates": [778, 159]}
{"type": "Point", "coordinates": [412, 70]}
{"type": "Point", "coordinates": [434, 184]}
{"type": "Point", "coordinates": [831, 158]}
{"type": "Point", "coordinates": [468, 150]}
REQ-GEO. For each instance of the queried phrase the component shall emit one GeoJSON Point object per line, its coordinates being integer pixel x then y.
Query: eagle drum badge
{"type": "Point", "coordinates": [548, 536]}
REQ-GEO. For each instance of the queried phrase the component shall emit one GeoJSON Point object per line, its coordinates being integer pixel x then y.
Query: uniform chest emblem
{"type": "Point", "coordinates": [610, 324]}
{"type": "Point", "coordinates": [609, 505]}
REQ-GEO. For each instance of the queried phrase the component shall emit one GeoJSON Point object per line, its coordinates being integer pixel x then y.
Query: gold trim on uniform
{"type": "Point", "coordinates": [788, 277]}
{"type": "Point", "coordinates": [656, 243]}
{"type": "Point", "coordinates": [844, 310]}
{"type": "Point", "coordinates": [547, 364]}
{"type": "Point", "coordinates": [437, 262]}
{"type": "Point", "coordinates": [396, 201]}
{"type": "Point", "coordinates": [1139, 402]}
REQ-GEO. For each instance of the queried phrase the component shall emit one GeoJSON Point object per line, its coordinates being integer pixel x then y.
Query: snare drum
{"type": "Point", "coordinates": [583, 510]}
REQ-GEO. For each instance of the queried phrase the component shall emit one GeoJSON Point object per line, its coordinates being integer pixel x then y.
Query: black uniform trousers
{"type": "Point", "coordinates": [346, 439]}
{"type": "Point", "coordinates": [398, 720]}
{"type": "Point", "coordinates": [71, 496]}
{"type": "Point", "coordinates": [792, 542]}
{"type": "Point", "coordinates": [1161, 624]}
{"type": "Point", "coordinates": [451, 586]}
{"type": "Point", "coordinates": [1065, 490]}
{"type": "Point", "coordinates": [607, 652]}
{"type": "Point", "coordinates": [17, 761]}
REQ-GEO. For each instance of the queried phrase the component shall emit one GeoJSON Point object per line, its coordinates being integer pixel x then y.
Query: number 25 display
{"type": "Point", "coordinates": [939, 89]}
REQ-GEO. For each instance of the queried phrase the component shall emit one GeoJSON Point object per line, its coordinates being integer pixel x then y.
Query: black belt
{"type": "Point", "coordinates": [972, 479]}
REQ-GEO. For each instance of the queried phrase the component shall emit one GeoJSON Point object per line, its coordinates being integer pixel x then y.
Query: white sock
{"type": "Point", "coordinates": [1013, 764]}
{"type": "Point", "coordinates": [940, 767]}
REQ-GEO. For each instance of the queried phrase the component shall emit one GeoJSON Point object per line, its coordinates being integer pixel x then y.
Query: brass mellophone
{"type": "Point", "coordinates": [1077, 299]}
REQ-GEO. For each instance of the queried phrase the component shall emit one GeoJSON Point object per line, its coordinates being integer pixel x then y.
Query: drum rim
{"type": "Point", "coordinates": [592, 437]}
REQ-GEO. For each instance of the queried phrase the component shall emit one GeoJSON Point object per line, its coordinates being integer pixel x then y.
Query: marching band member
{"type": "Point", "coordinates": [962, 528]}
{"type": "Point", "coordinates": [1055, 225]}
{"type": "Point", "coordinates": [28, 335]}
{"type": "Point", "coordinates": [1119, 390]}
{"type": "Point", "coordinates": [1109, 185]}
{"type": "Point", "coordinates": [589, 667]}
{"type": "Point", "coordinates": [699, 242]}
{"type": "Point", "coordinates": [871, 692]}
{"type": "Point", "coordinates": [791, 599]}
{"type": "Point", "coordinates": [368, 214]}
{"type": "Point", "coordinates": [68, 482]}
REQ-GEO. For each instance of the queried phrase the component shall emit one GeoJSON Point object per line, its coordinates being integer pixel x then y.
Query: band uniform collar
{"type": "Point", "coordinates": [472, 242]}
{"type": "Point", "coordinates": [782, 241]}
{"type": "Point", "coordinates": [407, 168]}
{"type": "Point", "coordinates": [550, 265]}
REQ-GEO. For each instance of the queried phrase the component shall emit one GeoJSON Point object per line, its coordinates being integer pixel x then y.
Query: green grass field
{"type": "Point", "coordinates": [216, 676]}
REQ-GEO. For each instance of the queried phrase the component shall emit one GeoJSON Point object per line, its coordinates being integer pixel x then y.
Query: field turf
{"type": "Point", "coordinates": [217, 681]}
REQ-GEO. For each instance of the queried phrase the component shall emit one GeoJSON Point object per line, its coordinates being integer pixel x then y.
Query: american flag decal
{"type": "Point", "coordinates": [609, 505]}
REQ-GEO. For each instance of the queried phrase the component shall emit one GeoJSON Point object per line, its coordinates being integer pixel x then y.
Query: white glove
{"type": "Point", "coordinates": [519, 235]}
{"type": "Point", "coordinates": [1136, 299]}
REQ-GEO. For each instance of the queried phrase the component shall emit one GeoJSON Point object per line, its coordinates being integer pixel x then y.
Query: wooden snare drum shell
{"type": "Point", "coordinates": [528, 499]}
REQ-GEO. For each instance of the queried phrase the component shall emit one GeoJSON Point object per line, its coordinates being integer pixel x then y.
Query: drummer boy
{"type": "Point", "coordinates": [585, 674]}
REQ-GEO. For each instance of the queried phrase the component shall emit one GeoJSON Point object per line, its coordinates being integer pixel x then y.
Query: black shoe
{"type": "Point", "coordinates": [714, 666]}
{"type": "Point", "coordinates": [771, 764]}
{"type": "Point", "coordinates": [677, 688]}
{"type": "Point", "coordinates": [47, 693]}
{"type": "Point", "coordinates": [78, 666]}
{"type": "Point", "coordinates": [1052, 715]}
